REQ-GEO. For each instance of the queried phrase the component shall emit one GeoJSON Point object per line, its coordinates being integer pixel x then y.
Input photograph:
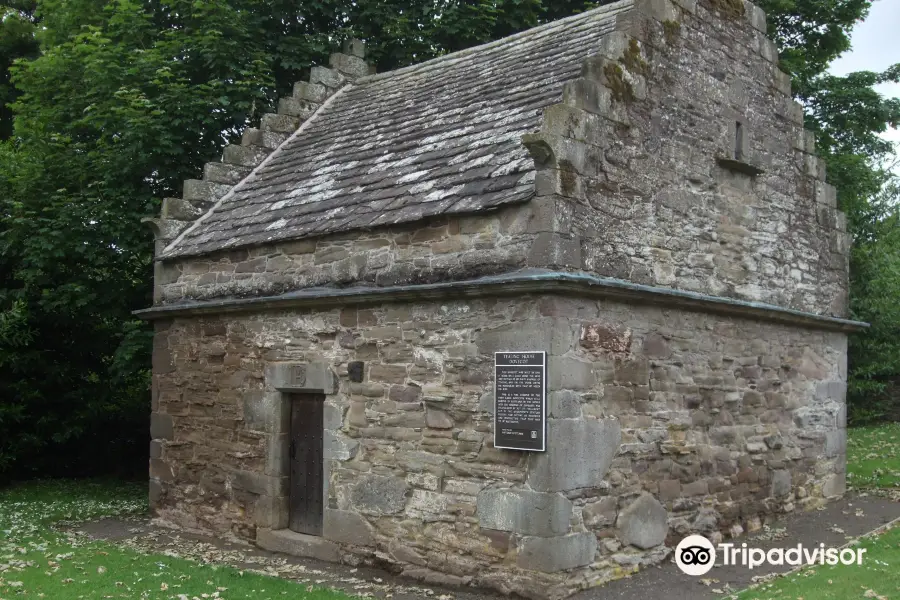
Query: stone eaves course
{"type": "Point", "coordinates": [442, 137]}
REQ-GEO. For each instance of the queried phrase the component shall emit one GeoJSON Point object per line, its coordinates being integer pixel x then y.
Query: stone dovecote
{"type": "Point", "coordinates": [630, 190]}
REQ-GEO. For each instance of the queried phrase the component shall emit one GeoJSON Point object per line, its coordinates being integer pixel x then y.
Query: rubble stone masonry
{"type": "Point", "coordinates": [662, 422]}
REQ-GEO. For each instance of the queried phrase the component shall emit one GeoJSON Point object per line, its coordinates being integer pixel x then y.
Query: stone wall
{"type": "Point", "coordinates": [662, 422]}
{"type": "Point", "coordinates": [434, 250]}
{"type": "Point", "coordinates": [652, 182]}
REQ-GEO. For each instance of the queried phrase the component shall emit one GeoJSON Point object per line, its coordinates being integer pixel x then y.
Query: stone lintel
{"type": "Point", "coordinates": [301, 377]}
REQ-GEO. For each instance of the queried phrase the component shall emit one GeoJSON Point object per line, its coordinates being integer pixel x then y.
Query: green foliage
{"type": "Point", "coordinates": [110, 119]}
{"type": "Point", "coordinates": [17, 40]}
{"type": "Point", "coordinates": [810, 34]}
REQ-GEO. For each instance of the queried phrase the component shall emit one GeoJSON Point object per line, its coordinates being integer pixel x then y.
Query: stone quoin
{"type": "Point", "coordinates": [629, 190]}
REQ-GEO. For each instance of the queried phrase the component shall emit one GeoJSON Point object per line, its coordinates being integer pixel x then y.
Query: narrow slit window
{"type": "Point", "coordinates": [738, 141]}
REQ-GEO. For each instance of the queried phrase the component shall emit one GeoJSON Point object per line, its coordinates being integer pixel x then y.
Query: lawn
{"type": "Point", "coordinates": [41, 561]}
{"type": "Point", "coordinates": [873, 456]}
{"type": "Point", "coordinates": [878, 577]}
{"type": "Point", "coordinates": [873, 462]}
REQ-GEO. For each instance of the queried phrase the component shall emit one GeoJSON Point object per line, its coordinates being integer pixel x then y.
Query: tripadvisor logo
{"type": "Point", "coordinates": [696, 555]}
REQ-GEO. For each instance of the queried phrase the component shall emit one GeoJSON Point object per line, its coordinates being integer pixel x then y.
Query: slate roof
{"type": "Point", "coordinates": [441, 137]}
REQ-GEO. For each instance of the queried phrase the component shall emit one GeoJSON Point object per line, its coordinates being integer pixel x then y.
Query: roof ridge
{"type": "Point", "coordinates": [240, 185]}
{"type": "Point", "coordinates": [543, 28]}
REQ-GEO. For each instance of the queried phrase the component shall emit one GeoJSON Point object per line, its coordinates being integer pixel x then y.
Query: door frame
{"type": "Point", "coordinates": [283, 381]}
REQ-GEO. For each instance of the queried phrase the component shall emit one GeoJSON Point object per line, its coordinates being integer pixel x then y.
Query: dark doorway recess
{"type": "Point", "coordinates": [306, 463]}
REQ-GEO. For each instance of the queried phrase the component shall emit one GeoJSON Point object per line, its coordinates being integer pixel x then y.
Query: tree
{"type": "Point", "coordinates": [17, 40]}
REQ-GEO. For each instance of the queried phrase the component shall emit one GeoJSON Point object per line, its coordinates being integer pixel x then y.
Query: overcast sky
{"type": "Point", "coordinates": [876, 46]}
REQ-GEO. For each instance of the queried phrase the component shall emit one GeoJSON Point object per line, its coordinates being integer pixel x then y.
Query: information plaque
{"type": "Point", "coordinates": [520, 400]}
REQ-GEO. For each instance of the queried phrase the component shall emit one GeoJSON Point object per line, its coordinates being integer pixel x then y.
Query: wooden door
{"type": "Point", "coordinates": [307, 463]}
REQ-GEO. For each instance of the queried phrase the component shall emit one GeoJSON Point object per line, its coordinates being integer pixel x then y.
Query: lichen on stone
{"type": "Point", "coordinates": [732, 9]}
{"type": "Point", "coordinates": [671, 31]}
{"type": "Point", "coordinates": [633, 60]}
{"type": "Point", "coordinates": [615, 79]}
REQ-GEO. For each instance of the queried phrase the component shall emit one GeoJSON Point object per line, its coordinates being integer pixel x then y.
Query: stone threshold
{"type": "Point", "coordinates": [517, 283]}
{"type": "Point", "coordinates": [297, 544]}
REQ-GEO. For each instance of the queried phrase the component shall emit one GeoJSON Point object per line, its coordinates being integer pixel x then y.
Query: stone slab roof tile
{"type": "Point", "coordinates": [441, 137]}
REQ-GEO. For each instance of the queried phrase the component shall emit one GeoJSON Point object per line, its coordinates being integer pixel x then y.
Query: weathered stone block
{"type": "Point", "coordinates": [310, 91]}
{"type": "Point", "coordinates": [154, 493]}
{"type": "Point", "coordinates": [262, 138]}
{"type": "Point", "coordinates": [552, 554]}
{"type": "Point", "coordinates": [271, 512]}
{"type": "Point", "coordinates": [259, 483]}
{"type": "Point", "coordinates": [437, 419]}
{"type": "Point", "coordinates": [348, 65]}
{"type": "Point", "coordinates": [328, 77]}
{"type": "Point", "coordinates": [600, 514]}
{"type": "Point", "coordinates": [524, 512]}
{"type": "Point", "coordinates": [279, 123]}
{"type": "Point", "coordinates": [300, 377]}
{"type": "Point", "coordinates": [565, 404]}
{"type": "Point", "coordinates": [556, 336]}
{"type": "Point", "coordinates": [297, 544]}
{"type": "Point", "coordinates": [224, 173]}
{"type": "Point", "coordinates": [781, 483]}
{"type": "Point", "coordinates": [339, 446]}
{"type": "Point", "coordinates": [835, 443]}
{"type": "Point", "coordinates": [354, 47]}
{"type": "Point", "coordinates": [163, 361]}
{"type": "Point", "coordinates": [297, 107]}
{"type": "Point", "coordinates": [244, 156]}
{"type": "Point", "coordinates": [347, 527]}
{"type": "Point", "coordinates": [569, 373]}
{"type": "Point", "coordinates": [180, 210]}
{"type": "Point", "coordinates": [161, 470]}
{"type": "Point", "coordinates": [604, 337]}
{"type": "Point", "coordinates": [581, 460]}
{"type": "Point", "coordinates": [555, 250]}
{"type": "Point", "coordinates": [161, 427]}
{"type": "Point", "coordinates": [377, 495]}
{"type": "Point", "coordinates": [834, 485]}
{"type": "Point", "coordinates": [643, 523]}
{"type": "Point", "coordinates": [266, 412]}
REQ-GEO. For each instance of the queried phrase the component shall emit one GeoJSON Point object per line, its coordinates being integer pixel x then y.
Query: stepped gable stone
{"type": "Point", "coordinates": [430, 139]}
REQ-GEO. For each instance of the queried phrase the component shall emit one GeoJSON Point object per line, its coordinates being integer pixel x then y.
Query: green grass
{"type": "Point", "coordinates": [873, 456]}
{"type": "Point", "coordinates": [878, 576]}
{"type": "Point", "coordinates": [873, 462]}
{"type": "Point", "coordinates": [38, 560]}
